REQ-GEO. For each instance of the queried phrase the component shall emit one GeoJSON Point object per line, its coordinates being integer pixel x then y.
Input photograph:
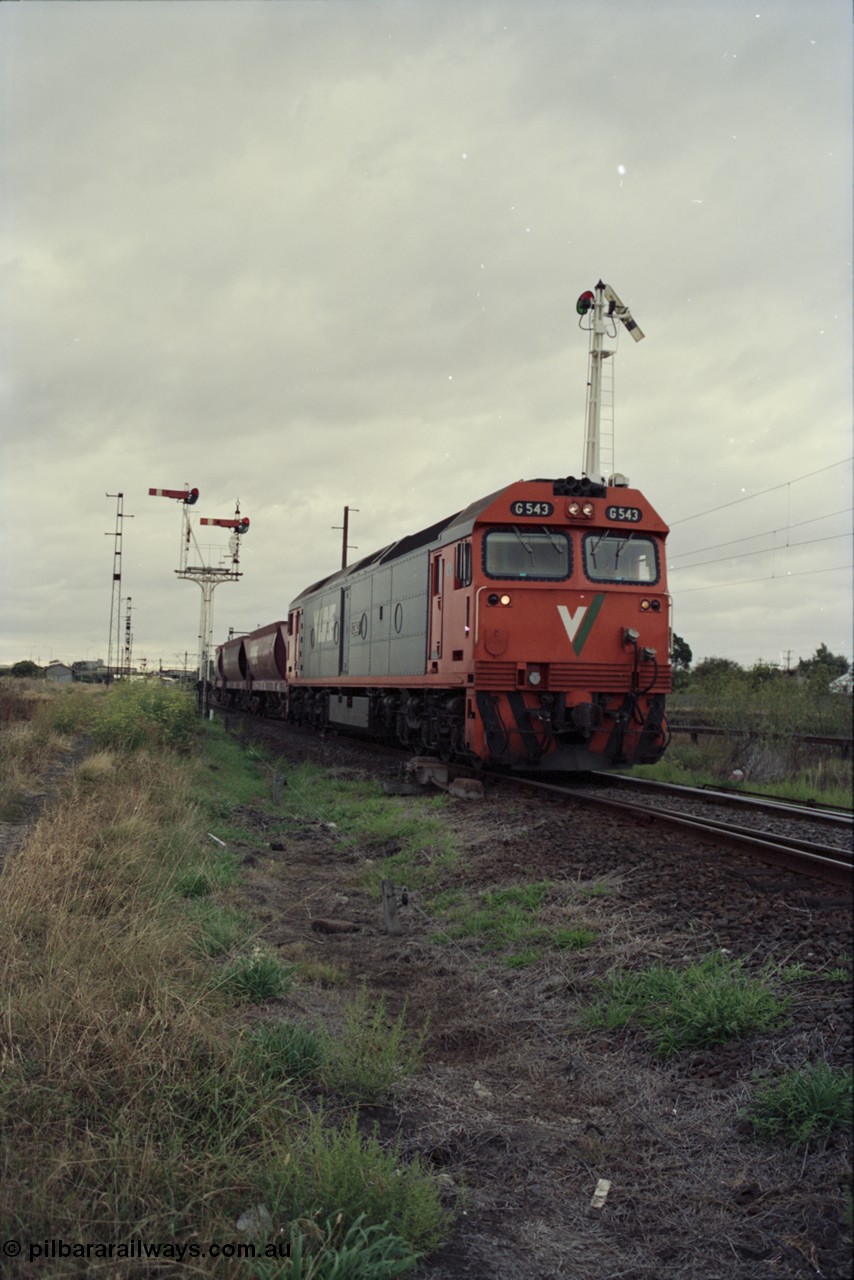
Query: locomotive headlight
{"type": "Point", "coordinates": [587, 509]}
{"type": "Point", "coordinates": [630, 636]}
{"type": "Point", "coordinates": [494, 598]}
{"type": "Point", "coordinates": [534, 677]}
{"type": "Point", "coordinates": [573, 508]}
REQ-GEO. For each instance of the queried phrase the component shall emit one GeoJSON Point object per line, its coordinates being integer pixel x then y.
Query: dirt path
{"type": "Point", "coordinates": [520, 1112]}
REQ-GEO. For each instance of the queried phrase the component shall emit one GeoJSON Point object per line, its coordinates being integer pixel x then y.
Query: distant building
{"type": "Point", "coordinates": [844, 684]}
{"type": "Point", "coordinates": [59, 672]}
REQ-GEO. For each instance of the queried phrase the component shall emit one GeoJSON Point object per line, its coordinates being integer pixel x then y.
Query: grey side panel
{"type": "Point", "coordinates": [410, 583]}
{"type": "Point", "coordinates": [320, 638]}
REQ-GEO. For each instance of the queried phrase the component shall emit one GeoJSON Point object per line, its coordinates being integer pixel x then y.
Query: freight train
{"type": "Point", "coordinates": [530, 631]}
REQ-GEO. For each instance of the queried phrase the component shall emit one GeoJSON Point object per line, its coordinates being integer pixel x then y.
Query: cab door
{"type": "Point", "coordinates": [437, 617]}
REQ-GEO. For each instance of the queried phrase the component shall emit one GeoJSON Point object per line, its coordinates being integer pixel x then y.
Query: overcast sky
{"type": "Point", "coordinates": [309, 254]}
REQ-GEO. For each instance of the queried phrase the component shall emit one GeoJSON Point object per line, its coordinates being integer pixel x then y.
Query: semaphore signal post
{"type": "Point", "coordinates": [207, 576]}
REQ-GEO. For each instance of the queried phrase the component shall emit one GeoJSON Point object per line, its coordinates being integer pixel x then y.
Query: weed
{"type": "Point", "coordinates": [373, 1052]}
{"type": "Point", "coordinates": [807, 1102]}
{"type": "Point", "coordinates": [332, 1253]}
{"type": "Point", "coordinates": [219, 870]}
{"type": "Point", "coordinates": [323, 972]}
{"type": "Point", "coordinates": [285, 1050]}
{"type": "Point", "coordinates": [220, 929]}
{"type": "Point", "coordinates": [149, 715]}
{"type": "Point", "coordinates": [336, 1170]}
{"type": "Point", "coordinates": [709, 1002]}
{"type": "Point", "coordinates": [571, 939]}
{"type": "Point", "coordinates": [257, 976]}
{"type": "Point", "coordinates": [836, 975]}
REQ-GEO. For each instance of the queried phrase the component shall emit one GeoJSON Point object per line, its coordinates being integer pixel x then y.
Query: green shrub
{"type": "Point", "coordinates": [257, 976]}
{"type": "Point", "coordinates": [338, 1171]}
{"type": "Point", "coordinates": [219, 928]}
{"type": "Point", "coordinates": [285, 1050]}
{"type": "Point", "coordinates": [807, 1102]}
{"type": "Point", "coordinates": [332, 1253]}
{"type": "Point", "coordinates": [708, 1003]}
{"type": "Point", "coordinates": [151, 715]}
{"type": "Point", "coordinates": [372, 1053]}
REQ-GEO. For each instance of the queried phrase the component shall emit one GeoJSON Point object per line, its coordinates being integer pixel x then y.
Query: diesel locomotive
{"type": "Point", "coordinates": [530, 631]}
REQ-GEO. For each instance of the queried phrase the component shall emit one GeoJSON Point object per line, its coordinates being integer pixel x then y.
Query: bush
{"type": "Point", "coordinates": [145, 715]}
{"type": "Point", "coordinates": [710, 1002]}
{"type": "Point", "coordinates": [258, 976]}
{"type": "Point", "coordinates": [332, 1253]}
{"type": "Point", "coordinates": [807, 1102]}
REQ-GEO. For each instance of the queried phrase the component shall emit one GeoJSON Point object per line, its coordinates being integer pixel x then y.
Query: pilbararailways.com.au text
{"type": "Point", "coordinates": [45, 1250]}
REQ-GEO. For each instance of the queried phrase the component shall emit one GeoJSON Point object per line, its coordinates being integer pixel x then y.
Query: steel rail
{"type": "Point", "coordinates": [711, 795]}
{"type": "Point", "coordinates": [806, 858]}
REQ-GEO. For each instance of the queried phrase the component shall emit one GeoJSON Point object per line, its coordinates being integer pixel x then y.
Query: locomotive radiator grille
{"type": "Point", "coordinates": [560, 676]}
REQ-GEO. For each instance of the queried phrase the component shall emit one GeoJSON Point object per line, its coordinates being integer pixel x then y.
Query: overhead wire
{"type": "Point", "coordinates": [747, 537]}
{"type": "Point", "coordinates": [761, 492]}
{"type": "Point", "coordinates": [769, 577]}
{"type": "Point", "coordinates": [761, 551]}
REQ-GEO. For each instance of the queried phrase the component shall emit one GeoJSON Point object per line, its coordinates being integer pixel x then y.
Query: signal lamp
{"type": "Point", "coordinates": [585, 302]}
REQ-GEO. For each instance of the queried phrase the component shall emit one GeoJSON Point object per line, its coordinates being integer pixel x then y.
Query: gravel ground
{"type": "Point", "coordinates": [519, 1110]}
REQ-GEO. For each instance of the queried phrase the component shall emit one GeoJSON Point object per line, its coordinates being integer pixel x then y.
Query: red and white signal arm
{"type": "Point", "coordinates": [239, 525]}
{"type": "Point", "coordinates": [189, 496]}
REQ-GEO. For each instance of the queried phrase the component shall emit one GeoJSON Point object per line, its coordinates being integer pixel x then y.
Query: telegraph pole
{"type": "Point", "coordinates": [116, 597]}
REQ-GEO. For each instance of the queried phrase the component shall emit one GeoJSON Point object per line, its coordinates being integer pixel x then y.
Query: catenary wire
{"type": "Point", "coordinates": [750, 496]}
{"type": "Point", "coordinates": [748, 537]}
{"type": "Point", "coordinates": [762, 551]}
{"type": "Point", "coordinates": [769, 577]}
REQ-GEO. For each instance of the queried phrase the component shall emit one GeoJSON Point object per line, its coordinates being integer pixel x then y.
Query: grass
{"type": "Point", "coordinates": [373, 1052]}
{"type": "Point", "coordinates": [509, 921]}
{"type": "Point", "coordinates": [401, 839]}
{"type": "Point", "coordinates": [808, 1102]}
{"type": "Point", "coordinates": [773, 767]}
{"type": "Point", "coordinates": [329, 1252]}
{"type": "Point", "coordinates": [135, 1099]}
{"type": "Point", "coordinates": [709, 1002]}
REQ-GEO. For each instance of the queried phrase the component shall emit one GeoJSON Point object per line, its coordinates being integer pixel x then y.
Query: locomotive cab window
{"type": "Point", "coordinates": [620, 557]}
{"type": "Point", "coordinates": [526, 553]}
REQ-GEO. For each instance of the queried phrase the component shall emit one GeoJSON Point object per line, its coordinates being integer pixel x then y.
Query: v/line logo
{"type": "Point", "coordinates": [579, 623]}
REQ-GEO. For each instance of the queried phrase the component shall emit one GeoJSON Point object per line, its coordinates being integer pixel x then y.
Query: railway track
{"type": "Point", "coordinates": [803, 839]}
